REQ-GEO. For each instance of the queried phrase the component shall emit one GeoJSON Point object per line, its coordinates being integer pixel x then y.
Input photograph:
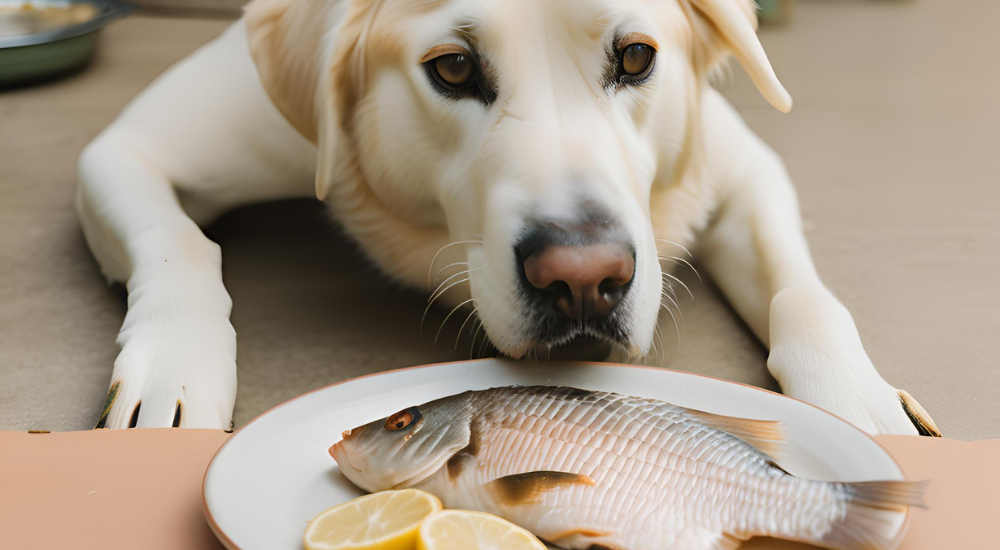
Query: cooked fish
{"type": "Point", "coordinates": [596, 470]}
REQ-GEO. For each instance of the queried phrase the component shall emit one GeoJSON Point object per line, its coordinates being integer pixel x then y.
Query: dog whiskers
{"type": "Point", "coordinates": [673, 301]}
{"type": "Point", "coordinates": [430, 268]}
{"type": "Point", "coordinates": [433, 299]}
{"type": "Point", "coordinates": [677, 244]}
{"type": "Point", "coordinates": [680, 282]}
{"type": "Point", "coordinates": [442, 289]}
{"type": "Point", "coordinates": [659, 337]}
{"type": "Point", "coordinates": [453, 264]}
{"type": "Point", "coordinates": [486, 347]}
{"type": "Point", "coordinates": [472, 346]}
{"type": "Point", "coordinates": [437, 291]}
{"type": "Point", "coordinates": [461, 329]}
{"type": "Point", "coordinates": [681, 261]}
{"type": "Point", "coordinates": [667, 292]}
{"type": "Point", "coordinates": [452, 312]}
{"type": "Point", "coordinates": [486, 338]}
{"type": "Point", "coordinates": [677, 329]}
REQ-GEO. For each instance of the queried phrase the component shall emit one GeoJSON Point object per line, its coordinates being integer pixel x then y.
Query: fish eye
{"type": "Point", "coordinates": [403, 420]}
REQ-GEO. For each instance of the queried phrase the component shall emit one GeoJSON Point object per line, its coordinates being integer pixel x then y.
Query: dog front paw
{"type": "Point", "coordinates": [162, 385]}
{"type": "Point", "coordinates": [854, 391]}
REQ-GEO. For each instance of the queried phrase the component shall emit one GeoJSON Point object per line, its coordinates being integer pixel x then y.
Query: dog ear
{"type": "Point", "coordinates": [287, 41]}
{"type": "Point", "coordinates": [732, 25]}
{"type": "Point", "coordinates": [294, 45]}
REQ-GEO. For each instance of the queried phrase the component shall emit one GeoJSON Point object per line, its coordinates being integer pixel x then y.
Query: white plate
{"type": "Point", "coordinates": [275, 474]}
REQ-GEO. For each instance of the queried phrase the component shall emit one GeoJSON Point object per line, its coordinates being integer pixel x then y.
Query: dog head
{"type": "Point", "coordinates": [529, 144]}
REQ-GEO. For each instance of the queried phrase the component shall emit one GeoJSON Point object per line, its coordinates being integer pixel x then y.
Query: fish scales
{"type": "Point", "coordinates": [615, 418]}
{"type": "Point", "coordinates": [582, 468]}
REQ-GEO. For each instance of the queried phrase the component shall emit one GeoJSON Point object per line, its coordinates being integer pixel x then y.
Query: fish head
{"type": "Point", "coordinates": [404, 448]}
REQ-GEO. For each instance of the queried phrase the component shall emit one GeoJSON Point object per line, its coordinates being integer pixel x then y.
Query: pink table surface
{"type": "Point", "coordinates": [141, 489]}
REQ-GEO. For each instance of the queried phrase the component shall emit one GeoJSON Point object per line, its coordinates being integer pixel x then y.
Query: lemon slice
{"type": "Point", "coordinates": [381, 521]}
{"type": "Point", "coordinates": [464, 530]}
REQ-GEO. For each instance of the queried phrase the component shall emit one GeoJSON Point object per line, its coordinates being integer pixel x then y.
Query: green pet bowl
{"type": "Point", "coordinates": [38, 41]}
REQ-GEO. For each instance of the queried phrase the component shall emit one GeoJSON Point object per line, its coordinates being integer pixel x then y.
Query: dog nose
{"type": "Point", "coordinates": [584, 281]}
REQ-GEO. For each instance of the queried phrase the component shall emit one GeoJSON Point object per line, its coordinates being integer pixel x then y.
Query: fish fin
{"type": "Point", "coordinates": [727, 542]}
{"type": "Point", "coordinates": [530, 486]}
{"type": "Point", "coordinates": [767, 436]}
{"type": "Point", "coordinates": [581, 532]}
{"type": "Point", "coordinates": [876, 514]}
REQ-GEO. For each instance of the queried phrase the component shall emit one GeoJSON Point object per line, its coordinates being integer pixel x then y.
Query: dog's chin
{"type": "Point", "coordinates": [557, 338]}
{"type": "Point", "coordinates": [581, 348]}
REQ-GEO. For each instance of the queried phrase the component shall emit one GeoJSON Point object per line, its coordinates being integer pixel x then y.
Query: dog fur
{"type": "Point", "coordinates": [328, 98]}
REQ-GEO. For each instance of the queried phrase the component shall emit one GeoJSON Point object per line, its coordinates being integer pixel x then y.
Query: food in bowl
{"type": "Point", "coordinates": [20, 18]}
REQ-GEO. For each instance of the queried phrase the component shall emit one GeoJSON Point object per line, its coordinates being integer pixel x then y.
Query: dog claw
{"type": "Point", "coordinates": [112, 394]}
{"type": "Point", "coordinates": [177, 416]}
{"type": "Point", "coordinates": [924, 423]}
{"type": "Point", "coordinates": [135, 415]}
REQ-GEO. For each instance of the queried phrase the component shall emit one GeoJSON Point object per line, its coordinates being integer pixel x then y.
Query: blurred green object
{"type": "Point", "coordinates": [774, 11]}
{"type": "Point", "coordinates": [28, 64]}
{"type": "Point", "coordinates": [38, 42]}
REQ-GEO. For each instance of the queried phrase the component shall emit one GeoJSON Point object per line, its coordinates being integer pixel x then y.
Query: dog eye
{"type": "Point", "coordinates": [636, 62]}
{"type": "Point", "coordinates": [458, 74]}
{"type": "Point", "coordinates": [454, 70]}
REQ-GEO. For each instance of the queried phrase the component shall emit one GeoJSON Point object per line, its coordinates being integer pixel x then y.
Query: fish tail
{"type": "Point", "coordinates": [876, 514]}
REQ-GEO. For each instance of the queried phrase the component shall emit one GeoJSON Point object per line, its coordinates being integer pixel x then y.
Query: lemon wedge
{"type": "Point", "coordinates": [381, 521]}
{"type": "Point", "coordinates": [464, 530]}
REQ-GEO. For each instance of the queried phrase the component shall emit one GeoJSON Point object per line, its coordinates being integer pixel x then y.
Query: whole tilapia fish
{"type": "Point", "coordinates": [594, 470]}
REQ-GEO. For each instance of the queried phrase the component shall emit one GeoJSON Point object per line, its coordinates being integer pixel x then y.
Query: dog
{"type": "Point", "coordinates": [549, 153]}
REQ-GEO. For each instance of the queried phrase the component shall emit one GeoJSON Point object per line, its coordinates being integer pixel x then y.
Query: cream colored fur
{"type": "Point", "coordinates": [332, 90]}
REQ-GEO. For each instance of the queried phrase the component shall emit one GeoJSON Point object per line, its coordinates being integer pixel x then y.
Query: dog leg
{"type": "Point", "coordinates": [755, 250]}
{"type": "Point", "coordinates": [177, 365]}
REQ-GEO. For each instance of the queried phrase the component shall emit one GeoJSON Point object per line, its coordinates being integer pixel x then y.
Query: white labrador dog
{"type": "Point", "coordinates": [547, 152]}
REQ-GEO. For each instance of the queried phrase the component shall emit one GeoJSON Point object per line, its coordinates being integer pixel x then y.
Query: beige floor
{"type": "Point", "coordinates": [892, 143]}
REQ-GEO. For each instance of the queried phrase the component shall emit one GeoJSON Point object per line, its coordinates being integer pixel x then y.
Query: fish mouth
{"type": "Point", "coordinates": [340, 456]}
